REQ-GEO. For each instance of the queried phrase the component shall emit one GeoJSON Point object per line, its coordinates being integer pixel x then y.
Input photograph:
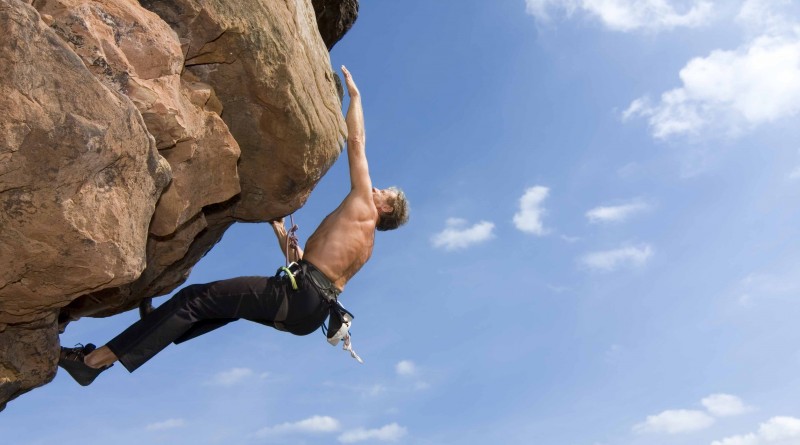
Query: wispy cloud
{"type": "Point", "coordinates": [724, 405]}
{"type": "Point", "coordinates": [165, 425]}
{"type": "Point", "coordinates": [774, 17]}
{"type": "Point", "coordinates": [610, 260]}
{"type": "Point", "coordinates": [781, 430]}
{"type": "Point", "coordinates": [627, 15]}
{"type": "Point", "coordinates": [675, 421]}
{"type": "Point", "coordinates": [406, 368]}
{"type": "Point", "coordinates": [458, 235]}
{"type": "Point", "coordinates": [617, 213]}
{"type": "Point", "coordinates": [312, 425]}
{"type": "Point", "coordinates": [780, 282]}
{"type": "Point", "coordinates": [231, 376]}
{"type": "Point", "coordinates": [529, 217]}
{"type": "Point", "coordinates": [388, 433]}
{"type": "Point", "coordinates": [732, 91]}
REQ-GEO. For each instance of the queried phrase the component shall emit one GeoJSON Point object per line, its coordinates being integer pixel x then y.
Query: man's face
{"type": "Point", "coordinates": [382, 197]}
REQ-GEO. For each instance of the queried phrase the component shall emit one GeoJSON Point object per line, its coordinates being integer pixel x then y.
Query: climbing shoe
{"type": "Point", "coordinates": [71, 359]}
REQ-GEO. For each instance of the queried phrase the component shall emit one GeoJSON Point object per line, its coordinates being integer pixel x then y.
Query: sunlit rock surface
{"type": "Point", "coordinates": [133, 135]}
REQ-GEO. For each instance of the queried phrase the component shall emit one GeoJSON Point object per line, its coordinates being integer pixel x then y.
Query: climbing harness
{"type": "Point", "coordinates": [288, 272]}
{"type": "Point", "coordinates": [339, 318]}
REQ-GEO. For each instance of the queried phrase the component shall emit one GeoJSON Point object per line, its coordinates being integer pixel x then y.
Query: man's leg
{"type": "Point", "coordinates": [193, 311]}
{"type": "Point", "coordinates": [222, 301]}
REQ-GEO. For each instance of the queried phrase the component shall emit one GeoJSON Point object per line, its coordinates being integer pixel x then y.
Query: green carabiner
{"type": "Point", "coordinates": [290, 275]}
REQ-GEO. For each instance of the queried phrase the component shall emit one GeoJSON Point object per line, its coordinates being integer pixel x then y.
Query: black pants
{"type": "Point", "coordinates": [201, 308]}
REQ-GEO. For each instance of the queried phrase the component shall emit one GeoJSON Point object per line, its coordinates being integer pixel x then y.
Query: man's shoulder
{"type": "Point", "coordinates": [358, 205]}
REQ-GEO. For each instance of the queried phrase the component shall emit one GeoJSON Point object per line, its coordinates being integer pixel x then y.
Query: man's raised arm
{"type": "Point", "coordinates": [360, 181]}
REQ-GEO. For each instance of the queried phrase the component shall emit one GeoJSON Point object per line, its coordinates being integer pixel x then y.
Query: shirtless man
{"type": "Point", "coordinates": [298, 299]}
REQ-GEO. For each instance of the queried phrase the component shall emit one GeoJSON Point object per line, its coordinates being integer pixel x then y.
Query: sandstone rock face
{"type": "Point", "coordinates": [279, 100]}
{"type": "Point", "coordinates": [135, 53]}
{"type": "Point", "coordinates": [79, 174]}
{"type": "Point", "coordinates": [131, 139]}
{"type": "Point", "coordinates": [79, 181]}
{"type": "Point", "coordinates": [30, 354]}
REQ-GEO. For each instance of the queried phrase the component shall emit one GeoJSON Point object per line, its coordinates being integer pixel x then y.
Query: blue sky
{"type": "Point", "coordinates": [604, 246]}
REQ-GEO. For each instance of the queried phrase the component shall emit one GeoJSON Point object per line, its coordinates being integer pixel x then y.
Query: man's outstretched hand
{"type": "Point", "coordinates": [352, 89]}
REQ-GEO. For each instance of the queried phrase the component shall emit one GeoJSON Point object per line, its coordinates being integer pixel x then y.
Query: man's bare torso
{"type": "Point", "coordinates": [343, 241]}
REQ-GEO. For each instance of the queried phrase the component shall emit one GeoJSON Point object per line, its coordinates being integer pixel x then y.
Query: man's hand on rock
{"type": "Point", "coordinates": [351, 85]}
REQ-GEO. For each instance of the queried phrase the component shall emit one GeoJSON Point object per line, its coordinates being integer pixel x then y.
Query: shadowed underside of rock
{"type": "Point", "coordinates": [135, 138]}
{"type": "Point", "coordinates": [335, 18]}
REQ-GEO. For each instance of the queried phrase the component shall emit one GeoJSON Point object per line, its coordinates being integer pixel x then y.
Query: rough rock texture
{"type": "Point", "coordinates": [103, 103]}
{"type": "Point", "coordinates": [30, 354]}
{"type": "Point", "coordinates": [335, 18]}
{"type": "Point", "coordinates": [279, 104]}
{"type": "Point", "coordinates": [79, 174]}
{"type": "Point", "coordinates": [134, 52]}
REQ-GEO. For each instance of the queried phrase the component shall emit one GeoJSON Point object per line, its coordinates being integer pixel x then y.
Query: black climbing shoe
{"type": "Point", "coordinates": [71, 359]}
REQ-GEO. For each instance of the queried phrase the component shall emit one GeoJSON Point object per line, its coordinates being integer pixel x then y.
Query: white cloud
{"type": "Point", "coordinates": [732, 91]}
{"type": "Point", "coordinates": [609, 260]}
{"type": "Point", "coordinates": [768, 16]}
{"type": "Point", "coordinates": [724, 405]}
{"type": "Point", "coordinates": [231, 376]}
{"type": "Point", "coordinates": [312, 425]}
{"type": "Point", "coordinates": [675, 422]}
{"type": "Point", "coordinates": [457, 235]}
{"type": "Point", "coordinates": [388, 433]}
{"type": "Point", "coordinates": [616, 213]}
{"type": "Point", "coordinates": [406, 368]}
{"type": "Point", "coordinates": [776, 431]}
{"type": "Point", "coordinates": [165, 425]}
{"type": "Point", "coordinates": [628, 15]}
{"type": "Point", "coordinates": [729, 90]}
{"type": "Point", "coordinates": [529, 217]}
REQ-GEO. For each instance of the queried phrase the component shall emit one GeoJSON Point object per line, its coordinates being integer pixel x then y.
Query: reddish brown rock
{"type": "Point", "coordinates": [79, 174]}
{"type": "Point", "coordinates": [29, 354]}
{"type": "Point", "coordinates": [79, 181]}
{"type": "Point", "coordinates": [133, 51]}
{"type": "Point", "coordinates": [96, 90]}
{"type": "Point", "coordinates": [272, 74]}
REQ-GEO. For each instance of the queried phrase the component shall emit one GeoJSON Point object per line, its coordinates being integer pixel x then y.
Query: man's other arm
{"type": "Point", "coordinates": [295, 253]}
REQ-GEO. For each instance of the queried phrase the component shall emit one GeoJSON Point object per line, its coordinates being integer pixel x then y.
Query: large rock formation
{"type": "Point", "coordinates": [132, 136]}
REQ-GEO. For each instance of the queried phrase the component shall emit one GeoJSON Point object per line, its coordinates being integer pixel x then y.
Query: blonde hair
{"type": "Point", "coordinates": [398, 215]}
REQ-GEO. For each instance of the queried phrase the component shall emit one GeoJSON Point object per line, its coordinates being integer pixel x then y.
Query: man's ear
{"type": "Point", "coordinates": [386, 208]}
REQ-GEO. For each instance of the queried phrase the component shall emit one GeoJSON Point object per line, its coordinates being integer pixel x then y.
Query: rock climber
{"type": "Point", "coordinates": [298, 299]}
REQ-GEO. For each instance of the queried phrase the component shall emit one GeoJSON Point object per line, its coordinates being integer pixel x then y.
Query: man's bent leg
{"type": "Point", "coordinates": [221, 300]}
